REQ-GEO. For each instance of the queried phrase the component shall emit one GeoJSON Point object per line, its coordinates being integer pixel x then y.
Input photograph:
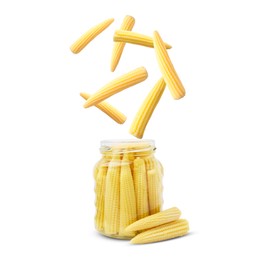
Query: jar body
{"type": "Point", "coordinates": [128, 186]}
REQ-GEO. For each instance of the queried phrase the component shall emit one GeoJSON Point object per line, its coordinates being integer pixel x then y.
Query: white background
{"type": "Point", "coordinates": [208, 142]}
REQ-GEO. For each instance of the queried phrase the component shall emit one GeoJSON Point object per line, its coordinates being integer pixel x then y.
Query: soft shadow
{"type": "Point", "coordinates": [168, 240]}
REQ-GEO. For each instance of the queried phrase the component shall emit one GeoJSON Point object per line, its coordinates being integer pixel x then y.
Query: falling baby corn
{"type": "Point", "coordinates": [145, 112]}
{"type": "Point", "coordinates": [125, 36]}
{"type": "Point", "coordinates": [111, 111]}
{"type": "Point", "coordinates": [87, 37]}
{"type": "Point", "coordinates": [169, 74]}
{"type": "Point", "coordinates": [125, 81]}
{"type": "Point", "coordinates": [127, 25]}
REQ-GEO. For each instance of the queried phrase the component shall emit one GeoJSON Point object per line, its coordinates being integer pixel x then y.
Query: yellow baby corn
{"type": "Point", "coordinates": [87, 37]}
{"type": "Point", "coordinates": [145, 112]}
{"type": "Point", "coordinates": [127, 198]}
{"type": "Point", "coordinates": [169, 74]}
{"type": "Point", "coordinates": [135, 38]}
{"type": "Point", "coordinates": [155, 220]}
{"type": "Point", "coordinates": [127, 25]}
{"type": "Point", "coordinates": [125, 81]}
{"type": "Point", "coordinates": [112, 197]}
{"type": "Point", "coordinates": [100, 197]}
{"type": "Point", "coordinates": [154, 191]}
{"type": "Point", "coordinates": [150, 162]}
{"type": "Point", "coordinates": [167, 231]}
{"type": "Point", "coordinates": [96, 167]}
{"type": "Point", "coordinates": [141, 193]}
{"type": "Point", "coordinates": [111, 111]}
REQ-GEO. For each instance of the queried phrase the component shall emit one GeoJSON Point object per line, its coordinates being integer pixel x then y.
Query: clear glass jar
{"type": "Point", "coordinates": [128, 185]}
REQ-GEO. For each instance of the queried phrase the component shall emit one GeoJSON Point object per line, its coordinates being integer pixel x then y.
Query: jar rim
{"type": "Point", "coordinates": [127, 145]}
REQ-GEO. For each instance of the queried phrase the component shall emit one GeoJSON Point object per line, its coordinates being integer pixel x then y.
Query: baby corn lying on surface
{"type": "Point", "coordinates": [124, 36]}
{"type": "Point", "coordinates": [111, 111]}
{"type": "Point", "coordinates": [87, 37]}
{"type": "Point", "coordinates": [125, 81]}
{"type": "Point", "coordinates": [163, 217]}
{"type": "Point", "coordinates": [145, 112]}
{"type": "Point", "coordinates": [168, 71]}
{"type": "Point", "coordinates": [164, 232]}
{"type": "Point", "coordinates": [127, 25]}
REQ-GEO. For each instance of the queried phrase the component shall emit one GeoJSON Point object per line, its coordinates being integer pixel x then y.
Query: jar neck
{"type": "Point", "coordinates": [138, 148]}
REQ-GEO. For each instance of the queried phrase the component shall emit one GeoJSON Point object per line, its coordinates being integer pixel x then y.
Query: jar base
{"type": "Point", "coordinates": [115, 236]}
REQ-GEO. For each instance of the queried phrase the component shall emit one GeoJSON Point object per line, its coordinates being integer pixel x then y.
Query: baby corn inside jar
{"type": "Point", "coordinates": [128, 185]}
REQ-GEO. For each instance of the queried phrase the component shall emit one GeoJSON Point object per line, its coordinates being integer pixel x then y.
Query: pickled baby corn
{"type": "Point", "coordinates": [96, 167]}
{"type": "Point", "coordinates": [169, 74]}
{"type": "Point", "coordinates": [87, 37]}
{"type": "Point", "coordinates": [124, 36]}
{"type": "Point", "coordinates": [150, 163]}
{"type": "Point", "coordinates": [100, 197]}
{"type": "Point", "coordinates": [154, 191]}
{"type": "Point", "coordinates": [141, 193]}
{"type": "Point", "coordinates": [155, 220]}
{"type": "Point", "coordinates": [127, 25]}
{"type": "Point", "coordinates": [145, 112]}
{"type": "Point", "coordinates": [111, 111]}
{"type": "Point", "coordinates": [125, 81]}
{"type": "Point", "coordinates": [167, 231]}
{"type": "Point", "coordinates": [127, 198]}
{"type": "Point", "coordinates": [112, 197]}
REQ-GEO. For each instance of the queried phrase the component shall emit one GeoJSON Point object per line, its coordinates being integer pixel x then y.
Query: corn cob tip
{"type": "Point", "coordinates": [137, 135]}
{"type": "Point", "coordinates": [84, 95]}
{"type": "Point", "coordinates": [73, 50]}
{"type": "Point", "coordinates": [167, 45]}
{"type": "Point", "coordinates": [130, 17]}
{"type": "Point", "coordinates": [144, 69]}
{"type": "Point", "coordinates": [113, 67]}
{"type": "Point", "coordinates": [86, 105]}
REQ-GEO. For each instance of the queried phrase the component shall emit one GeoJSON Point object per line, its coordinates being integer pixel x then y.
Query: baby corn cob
{"type": "Point", "coordinates": [131, 158]}
{"type": "Point", "coordinates": [163, 217]}
{"type": "Point", "coordinates": [112, 197]}
{"type": "Point", "coordinates": [169, 74]}
{"type": "Point", "coordinates": [100, 197]}
{"type": "Point", "coordinates": [161, 168]}
{"type": "Point", "coordinates": [145, 112]}
{"type": "Point", "coordinates": [87, 37]}
{"type": "Point", "coordinates": [135, 38]}
{"type": "Point", "coordinates": [141, 193]}
{"type": "Point", "coordinates": [127, 25]}
{"type": "Point", "coordinates": [154, 191]}
{"type": "Point", "coordinates": [127, 198]}
{"type": "Point", "coordinates": [125, 81]}
{"type": "Point", "coordinates": [96, 168]}
{"type": "Point", "coordinates": [150, 163]}
{"type": "Point", "coordinates": [167, 231]}
{"type": "Point", "coordinates": [111, 111]}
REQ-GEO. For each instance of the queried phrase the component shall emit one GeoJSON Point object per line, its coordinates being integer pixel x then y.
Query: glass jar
{"type": "Point", "coordinates": [128, 185]}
